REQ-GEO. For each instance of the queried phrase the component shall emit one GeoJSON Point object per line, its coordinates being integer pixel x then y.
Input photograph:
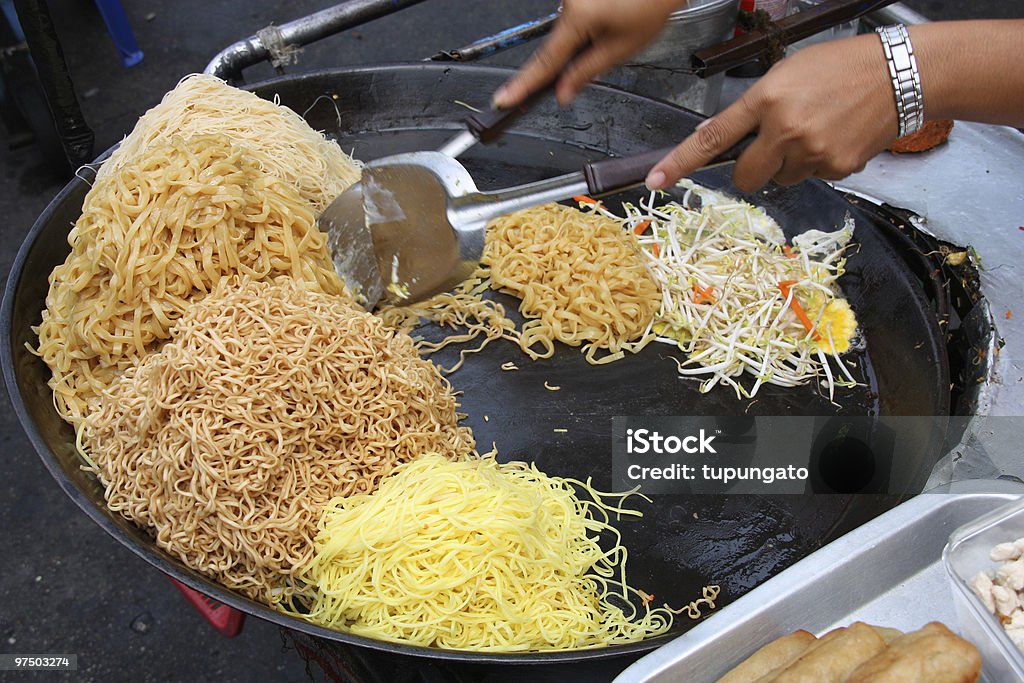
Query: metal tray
{"type": "Point", "coordinates": [887, 572]}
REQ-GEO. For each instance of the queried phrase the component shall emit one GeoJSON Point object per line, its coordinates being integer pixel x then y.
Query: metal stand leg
{"type": "Point", "coordinates": [41, 36]}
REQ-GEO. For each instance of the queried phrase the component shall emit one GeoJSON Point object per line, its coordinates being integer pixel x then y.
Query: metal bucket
{"type": "Point", "coordinates": [663, 69]}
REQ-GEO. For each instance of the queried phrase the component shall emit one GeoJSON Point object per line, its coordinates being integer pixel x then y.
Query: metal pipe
{"type": "Point", "coordinates": [277, 43]}
{"type": "Point", "coordinates": [897, 13]}
{"type": "Point", "coordinates": [511, 37]}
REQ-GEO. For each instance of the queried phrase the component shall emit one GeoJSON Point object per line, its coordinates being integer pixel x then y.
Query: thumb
{"type": "Point", "coordinates": [543, 67]}
{"type": "Point", "coordinates": [712, 137]}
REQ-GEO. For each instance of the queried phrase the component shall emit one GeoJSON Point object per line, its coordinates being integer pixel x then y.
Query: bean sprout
{"type": "Point", "coordinates": [737, 299]}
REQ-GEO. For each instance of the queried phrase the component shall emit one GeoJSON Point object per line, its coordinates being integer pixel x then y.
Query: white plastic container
{"type": "Point", "coordinates": [967, 554]}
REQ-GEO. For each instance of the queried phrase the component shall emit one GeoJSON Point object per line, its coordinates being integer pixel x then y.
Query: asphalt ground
{"type": "Point", "coordinates": [65, 586]}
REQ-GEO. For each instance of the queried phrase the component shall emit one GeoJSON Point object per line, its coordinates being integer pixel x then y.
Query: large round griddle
{"type": "Point", "coordinates": [682, 542]}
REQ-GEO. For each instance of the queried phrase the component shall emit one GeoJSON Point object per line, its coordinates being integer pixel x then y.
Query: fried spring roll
{"type": "Point", "coordinates": [775, 655]}
{"type": "Point", "coordinates": [887, 634]}
{"type": "Point", "coordinates": [934, 654]}
{"type": "Point", "coordinates": [832, 657]}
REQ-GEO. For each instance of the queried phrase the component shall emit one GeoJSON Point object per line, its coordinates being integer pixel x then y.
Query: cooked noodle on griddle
{"type": "Point", "coordinates": [279, 140]}
{"type": "Point", "coordinates": [476, 555]}
{"type": "Point", "coordinates": [270, 399]}
{"type": "Point", "coordinates": [154, 236]}
{"type": "Point", "coordinates": [580, 277]}
{"type": "Point", "coordinates": [462, 309]}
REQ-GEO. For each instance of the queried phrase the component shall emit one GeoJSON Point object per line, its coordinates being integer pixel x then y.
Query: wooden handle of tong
{"type": "Point", "coordinates": [610, 175]}
{"type": "Point", "coordinates": [489, 124]}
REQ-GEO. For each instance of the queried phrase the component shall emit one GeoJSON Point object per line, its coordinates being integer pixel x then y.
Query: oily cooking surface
{"type": "Point", "coordinates": [744, 539]}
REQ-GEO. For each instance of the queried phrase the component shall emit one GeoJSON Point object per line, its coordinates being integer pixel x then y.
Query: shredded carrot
{"type": "Point", "coordinates": [641, 227]}
{"type": "Point", "coordinates": [584, 199]}
{"type": "Point", "coordinates": [1009, 314]}
{"type": "Point", "coordinates": [657, 252]}
{"type": "Point", "coordinates": [798, 309]}
{"type": "Point", "coordinates": [646, 600]}
{"type": "Point", "coordinates": [788, 251]}
{"type": "Point", "coordinates": [703, 294]}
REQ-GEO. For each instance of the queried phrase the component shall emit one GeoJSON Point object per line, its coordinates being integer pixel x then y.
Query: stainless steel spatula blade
{"type": "Point", "coordinates": [423, 245]}
{"type": "Point", "coordinates": [391, 235]}
{"type": "Point", "coordinates": [351, 245]}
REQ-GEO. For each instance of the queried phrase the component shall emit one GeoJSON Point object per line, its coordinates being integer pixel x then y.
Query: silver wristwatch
{"type": "Point", "coordinates": [906, 79]}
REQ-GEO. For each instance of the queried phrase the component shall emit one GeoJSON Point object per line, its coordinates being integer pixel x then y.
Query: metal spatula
{"type": "Point", "coordinates": [347, 223]}
{"type": "Point", "coordinates": [414, 225]}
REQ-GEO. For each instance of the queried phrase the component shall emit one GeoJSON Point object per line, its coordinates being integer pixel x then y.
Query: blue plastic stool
{"type": "Point", "coordinates": [7, 6]}
{"type": "Point", "coordinates": [120, 31]}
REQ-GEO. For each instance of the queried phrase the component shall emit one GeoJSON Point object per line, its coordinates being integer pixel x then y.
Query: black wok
{"type": "Point", "coordinates": [682, 543]}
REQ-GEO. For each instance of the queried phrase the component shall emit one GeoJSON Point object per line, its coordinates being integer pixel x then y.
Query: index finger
{"type": "Point", "coordinates": [543, 67]}
{"type": "Point", "coordinates": [712, 137]}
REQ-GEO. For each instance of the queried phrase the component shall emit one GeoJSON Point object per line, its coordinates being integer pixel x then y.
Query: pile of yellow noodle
{"type": "Point", "coordinates": [579, 276]}
{"type": "Point", "coordinates": [270, 399]}
{"type": "Point", "coordinates": [212, 182]}
{"type": "Point", "coordinates": [473, 555]}
{"type": "Point", "coordinates": [279, 141]}
{"type": "Point", "coordinates": [152, 238]}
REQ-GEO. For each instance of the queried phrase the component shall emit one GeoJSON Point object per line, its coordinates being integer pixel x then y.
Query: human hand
{"type": "Point", "coordinates": [824, 111]}
{"type": "Point", "coordinates": [614, 29]}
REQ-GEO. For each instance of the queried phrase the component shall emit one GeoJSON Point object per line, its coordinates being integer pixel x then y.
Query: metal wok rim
{"type": "Point", "coordinates": [156, 556]}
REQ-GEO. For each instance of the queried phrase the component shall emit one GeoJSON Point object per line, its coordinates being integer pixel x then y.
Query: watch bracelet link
{"type": "Point", "coordinates": [906, 79]}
